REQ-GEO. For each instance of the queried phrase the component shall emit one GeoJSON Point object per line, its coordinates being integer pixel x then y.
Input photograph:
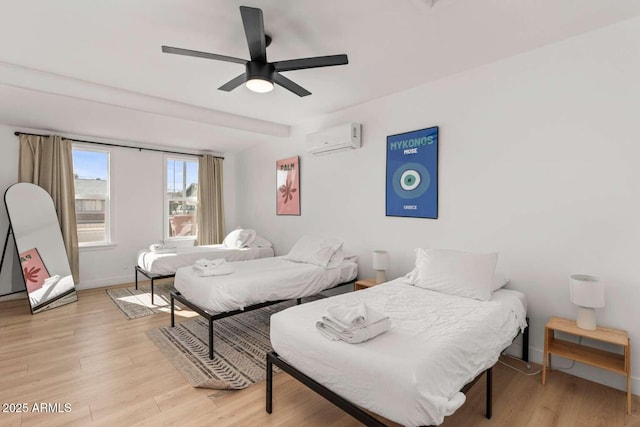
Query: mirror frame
{"type": "Point", "coordinates": [36, 259]}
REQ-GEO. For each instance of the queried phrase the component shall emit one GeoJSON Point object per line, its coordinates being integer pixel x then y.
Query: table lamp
{"type": "Point", "coordinates": [587, 292]}
{"type": "Point", "coordinates": [380, 265]}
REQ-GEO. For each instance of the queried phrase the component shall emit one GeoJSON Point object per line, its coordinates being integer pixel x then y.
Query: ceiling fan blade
{"type": "Point", "coordinates": [234, 83]}
{"type": "Point", "coordinates": [198, 54]}
{"type": "Point", "coordinates": [254, 30]}
{"type": "Point", "coordinates": [289, 85]}
{"type": "Point", "coordinates": [315, 62]}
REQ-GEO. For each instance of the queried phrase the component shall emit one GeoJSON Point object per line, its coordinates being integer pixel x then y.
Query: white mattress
{"type": "Point", "coordinates": [168, 262]}
{"type": "Point", "coordinates": [260, 280]}
{"type": "Point", "coordinates": [413, 373]}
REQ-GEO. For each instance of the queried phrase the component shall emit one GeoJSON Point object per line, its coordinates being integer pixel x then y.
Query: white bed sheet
{"type": "Point", "coordinates": [46, 293]}
{"type": "Point", "coordinates": [258, 281]}
{"type": "Point", "coordinates": [163, 262]}
{"type": "Point", "coordinates": [413, 373]}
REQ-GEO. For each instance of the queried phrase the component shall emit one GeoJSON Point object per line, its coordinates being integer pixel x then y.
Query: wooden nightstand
{"type": "Point", "coordinates": [619, 363]}
{"type": "Point", "coordinates": [364, 284]}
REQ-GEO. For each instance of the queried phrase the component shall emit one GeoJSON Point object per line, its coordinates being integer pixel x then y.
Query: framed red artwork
{"type": "Point", "coordinates": [288, 186]}
{"type": "Point", "coordinates": [33, 269]}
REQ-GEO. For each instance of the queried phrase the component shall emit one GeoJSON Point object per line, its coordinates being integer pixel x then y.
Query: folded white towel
{"type": "Point", "coordinates": [357, 335]}
{"type": "Point", "coordinates": [210, 263]}
{"type": "Point", "coordinates": [327, 331]}
{"type": "Point", "coordinates": [156, 247]}
{"type": "Point", "coordinates": [349, 316]}
{"type": "Point", "coordinates": [221, 270]}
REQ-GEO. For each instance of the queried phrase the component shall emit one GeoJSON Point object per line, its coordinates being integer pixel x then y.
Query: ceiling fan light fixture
{"type": "Point", "coordinates": [259, 76]}
{"type": "Point", "coordinates": [259, 85]}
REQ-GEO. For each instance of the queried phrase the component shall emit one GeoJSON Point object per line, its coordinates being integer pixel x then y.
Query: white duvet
{"type": "Point", "coordinates": [413, 373]}
{"type": "Point", "coordinates": [167, 261]}
{"type": "Point", "coordinates": [258, 281]}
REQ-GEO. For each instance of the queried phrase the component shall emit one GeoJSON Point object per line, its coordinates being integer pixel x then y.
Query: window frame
{"type": "Point", "coordinates": [108, 208]}
{"type": "Point", "coordinates": [166, 199]}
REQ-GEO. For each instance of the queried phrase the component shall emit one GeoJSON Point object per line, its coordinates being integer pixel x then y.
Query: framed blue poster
{"type": "Point", "coordinates": [412, 174]}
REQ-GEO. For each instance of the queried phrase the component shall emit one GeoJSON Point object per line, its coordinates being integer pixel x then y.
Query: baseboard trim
{"type": "Point", "coordinates": [100, 283]}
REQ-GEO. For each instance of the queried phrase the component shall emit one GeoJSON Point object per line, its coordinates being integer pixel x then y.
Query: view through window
{"type": "Point", "coordinates": [182, 197]}
{"type": "Point", "coordinates": [91, 173]}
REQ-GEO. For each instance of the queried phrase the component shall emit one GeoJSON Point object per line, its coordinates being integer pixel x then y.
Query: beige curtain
{"type": "Point", "coordinates": [47, 161]}
{"type": "Point", "coordinates": [210, 205]}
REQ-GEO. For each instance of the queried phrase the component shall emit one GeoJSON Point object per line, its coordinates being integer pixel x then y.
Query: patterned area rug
{"type": "Point", "coordinates": [241, 343]}
{"type": "Point", "coordinates": [135, 303]}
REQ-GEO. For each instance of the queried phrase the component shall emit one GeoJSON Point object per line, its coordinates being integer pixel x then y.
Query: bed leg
{"type": "Point", "coordinates": [136, 269]}
{"type": "Point", "coordinates": [210, 339]}
{"type": "Point", "coordinates": [489, 393]}
{"type": "Point", "coordinates": [269, 383]}
{"type": "Point", "coordinates": [152, 292]}
{"type": "Point", "coordinates": [299, 301]}
{"type": "Point", "coordinates": [173, 313]}
{"type": "Point", "coordinates": [525, 343]}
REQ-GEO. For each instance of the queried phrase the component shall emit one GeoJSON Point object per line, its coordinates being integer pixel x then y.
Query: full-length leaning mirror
{"type": "Point", "coordinates": [43, 258]}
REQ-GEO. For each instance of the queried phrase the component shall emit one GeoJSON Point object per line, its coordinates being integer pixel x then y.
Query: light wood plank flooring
{"type": "Point", "coordinates": [87, 354]}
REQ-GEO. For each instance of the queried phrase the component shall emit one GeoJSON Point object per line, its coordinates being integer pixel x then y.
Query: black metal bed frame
{"type": "Point", "coordinates": [351, 409]}
{"type": "Point", "coordinates": [211, 317]}
{"type": "Point", "coordinates": [151, 276]}
{"type": "Point", "coordinates": [367, 419]}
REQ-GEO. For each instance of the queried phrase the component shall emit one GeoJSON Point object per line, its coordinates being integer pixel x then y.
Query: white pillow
{"type": "Point", "coordinates": [239, 238]}
{"type": "Point", "coordinates": [261, 242]}
{"type": "Point", "coordinates": [499, 281]}
{"type": "Point", "coordinates": [349, 257]}
{"type": "Point", "coordinates": [336, 259]}
{"type": "Point", "coordinates": [314, 250]}
{"type": "Point", "coordinates": [458, 273]}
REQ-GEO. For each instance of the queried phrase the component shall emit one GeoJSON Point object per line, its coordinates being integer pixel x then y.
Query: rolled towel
{"type": "Point", "coordinates": [347, 317]}
{"type": "Point", "coordinates": [156, 247]}
{"type": "Point", "coordinates": [161, 248]}
{"type": "Point", "coordinates": [210, 263]}
{"type": "Point", "coordinates": [223, 269]}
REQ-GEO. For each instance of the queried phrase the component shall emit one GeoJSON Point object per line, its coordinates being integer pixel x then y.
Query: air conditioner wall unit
{"type": "Point", "coordinates": [338, 138]}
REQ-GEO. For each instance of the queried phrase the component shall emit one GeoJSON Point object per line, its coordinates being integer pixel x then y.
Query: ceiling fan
{"type": "Point", "coordinates": [260, 75]}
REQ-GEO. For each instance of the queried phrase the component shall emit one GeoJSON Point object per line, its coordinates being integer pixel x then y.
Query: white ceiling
{"type": "Point", "coordinates": [96, 69]}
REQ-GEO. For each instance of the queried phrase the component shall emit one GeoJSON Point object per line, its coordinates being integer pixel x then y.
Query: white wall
{"type": "Point", "coordinates": [137, 182]}
{"type": "Point", "coordinates": [538, 160]}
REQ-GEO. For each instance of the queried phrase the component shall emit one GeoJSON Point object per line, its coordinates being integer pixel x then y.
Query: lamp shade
{"type": "Point", "coordinates": [380, 259]}
{"type": "Point", "coordinates": [586, 291]}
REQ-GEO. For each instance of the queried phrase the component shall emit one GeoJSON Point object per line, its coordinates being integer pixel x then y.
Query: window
{"type": "Point", "coordinates": [181, 198]}
{"type": "Point", "coordinates": [91, 172]}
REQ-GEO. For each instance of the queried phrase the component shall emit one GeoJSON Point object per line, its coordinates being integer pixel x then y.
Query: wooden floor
{"type": "Point", "coordinates": [89, 356]}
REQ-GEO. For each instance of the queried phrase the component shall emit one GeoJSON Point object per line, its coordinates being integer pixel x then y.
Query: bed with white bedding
{"type": "Point", "coordinates": [257, 283]}
{"type": "Point", "coordinates": [413, 373]}
{"type": "Point", "coordinates": [166, 261]}
{"type": "Point", "coordinates": [160, 261]}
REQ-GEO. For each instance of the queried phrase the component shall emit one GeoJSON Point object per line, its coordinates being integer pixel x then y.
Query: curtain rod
{"type": "Point", "coordinates": [121, 146]}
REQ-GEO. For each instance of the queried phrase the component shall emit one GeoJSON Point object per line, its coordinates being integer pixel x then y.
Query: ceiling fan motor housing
{"type": "Point", "coordinates": [260, 70]}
